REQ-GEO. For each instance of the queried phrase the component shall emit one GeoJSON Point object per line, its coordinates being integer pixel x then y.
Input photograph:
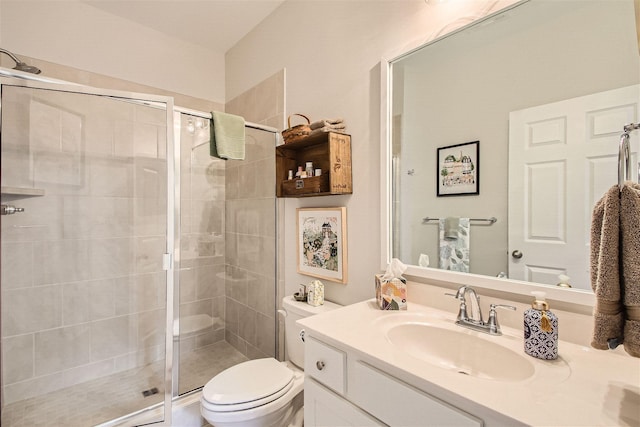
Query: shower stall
{"type": "Point", "coordinates": [134, 266]}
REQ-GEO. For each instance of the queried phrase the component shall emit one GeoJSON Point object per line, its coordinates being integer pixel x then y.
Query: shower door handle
{"type": "Point", "coordinates": [10, 210]}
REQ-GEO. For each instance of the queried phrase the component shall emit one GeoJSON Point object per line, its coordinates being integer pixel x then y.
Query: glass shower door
{"type": "Point", "coordinates": [84, 271]}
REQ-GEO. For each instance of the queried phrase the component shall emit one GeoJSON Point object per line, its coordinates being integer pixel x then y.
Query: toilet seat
{"type": "Point", "coordinates": [247, 385]}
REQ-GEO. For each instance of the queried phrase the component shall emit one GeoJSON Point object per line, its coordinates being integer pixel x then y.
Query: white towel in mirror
{"type": "Point", "coordinates": [454, 253]}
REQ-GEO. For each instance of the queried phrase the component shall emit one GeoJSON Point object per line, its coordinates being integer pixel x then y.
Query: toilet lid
{"type": "Point", "coordinates": [248, 381]}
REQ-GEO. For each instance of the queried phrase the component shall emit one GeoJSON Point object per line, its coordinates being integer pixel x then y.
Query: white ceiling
{"type": "Point", "coordinates": [214, 24]}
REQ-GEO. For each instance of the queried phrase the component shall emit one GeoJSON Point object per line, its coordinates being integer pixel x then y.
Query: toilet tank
{"type": "Point", "coordinates": [296, 310]}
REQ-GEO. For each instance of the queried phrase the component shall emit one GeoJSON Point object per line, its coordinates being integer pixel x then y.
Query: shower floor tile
{"type": "Point", "coordinates": [98, 401]}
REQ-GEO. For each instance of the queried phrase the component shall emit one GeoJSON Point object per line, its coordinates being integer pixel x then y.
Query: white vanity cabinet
{"type": "Point", "coordinates": [342, 390]}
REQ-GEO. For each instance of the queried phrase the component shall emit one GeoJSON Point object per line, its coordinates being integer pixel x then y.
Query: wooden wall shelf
{"type": "Point", "coordinates": [329, 151]}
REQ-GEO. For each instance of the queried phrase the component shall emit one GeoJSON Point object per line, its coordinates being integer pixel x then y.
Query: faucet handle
{"type": "Point", "coordinates": [458, 297]}
{"type": "Point", "coordinates": [493, 307]}
{"type": "Point", "coordinates": [492, 323]}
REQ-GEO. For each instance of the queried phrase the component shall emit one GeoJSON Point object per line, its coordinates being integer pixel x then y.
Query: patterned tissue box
{"type": "Point", "coordinates": [391, 295]}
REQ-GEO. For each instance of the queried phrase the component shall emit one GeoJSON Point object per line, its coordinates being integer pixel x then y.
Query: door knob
{"type": "Point", "coordinates": [516, 254]}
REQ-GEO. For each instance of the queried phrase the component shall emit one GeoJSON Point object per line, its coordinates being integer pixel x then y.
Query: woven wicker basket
{"type": "Point", "coordinates": [296, 133]}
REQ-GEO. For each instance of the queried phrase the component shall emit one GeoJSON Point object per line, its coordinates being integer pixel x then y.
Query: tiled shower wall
{"type": "Point", "coordinates": [83, 291]}
{"type": "Point", "coordinates": [109, 324]}
{"type": "Point", "coordinates": [251, 224]}
{"type": "Point", "coordinates": [202, 245]}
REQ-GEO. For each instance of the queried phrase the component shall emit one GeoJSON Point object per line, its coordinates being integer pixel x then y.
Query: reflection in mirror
{"type": "Point", "coordinates": [546, 87]}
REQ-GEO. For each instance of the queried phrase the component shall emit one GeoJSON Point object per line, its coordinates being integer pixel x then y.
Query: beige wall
{"type": "Point", "coordinates": [332, 52]}
{"type": "Point", "coordinates": [332, 57]}
{"type": "Point", "coordinates": [73, 33]}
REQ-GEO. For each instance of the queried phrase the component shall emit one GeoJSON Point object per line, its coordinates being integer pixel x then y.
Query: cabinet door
{"type": "Point", "coordinates": [400, 404]}
{"type": "Point", "coordinates": [324, 408]}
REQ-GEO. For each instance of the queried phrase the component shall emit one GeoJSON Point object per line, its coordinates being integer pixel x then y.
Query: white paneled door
{"type": "Point", "coordinates": [563, 157]}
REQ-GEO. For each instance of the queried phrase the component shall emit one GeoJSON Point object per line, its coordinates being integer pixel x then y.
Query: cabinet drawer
{"type": "Point", "coordinates": [325, 363]}
{"type": "Point", "coordinates": [399, 404]}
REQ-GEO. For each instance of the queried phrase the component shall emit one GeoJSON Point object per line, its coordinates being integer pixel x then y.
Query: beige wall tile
{"type": "Point", "coordinates": [236, 284]}
{"type": "Point", "coordinates": [124, 295]}
{"type": "Point", "coordinates": [261, 294]}
{"type": "Point", "coordinates": [232, 310]}
{"type": "Point", "coordinates": [247, 324]}
{"type": "Point", "coordinates": [62, 348]}
{"type": "Point", "coordinates": [33, 387]}
{"type": "Point", "coordinates": [113, 337]}
{"type": "Point", "coordinates": [265, 334]}
{"type": "Point", "coordinates": [88, 372]}
{"type": "Point", "coordinates": [102, 299]}
{"type": "Point", "coordinates": [17, 358]}
{"type": "Point", "coordinates": [17, 260]}
{"type": "Point", "coordinates": [31, 309]}
{"type": "Point", "coordinates": [115, 257]}
{"type": "Point", "coordinates": [148, 254]}
{"type": "Point", "coordinates": [236, 342]}
{"type": "Point", "coordinates": [151, 329]}
{"type": "Point", "coordinates": [210, 281]}
{"type": "Point", "coordinates": [187, 285]}
{"type": "Point", "coordinates": [151, 291]}
{"type": "Point", "coordinates": [209, 338]}
{"type": "Point", "coordinates": [75, 303]}
{"type": "Point", "coordinates": [109, 177]}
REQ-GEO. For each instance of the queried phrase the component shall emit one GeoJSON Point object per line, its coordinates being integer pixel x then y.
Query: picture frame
{"type": "Point", "coordinates": [458, 169]}
{"type": "Point", "coordinates": [322, 243]}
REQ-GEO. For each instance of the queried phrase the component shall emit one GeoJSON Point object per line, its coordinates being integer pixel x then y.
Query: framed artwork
{"type": "Point", "coordinates": [459, 169]}
{"type": "Point", "coordinates": [322, 243]}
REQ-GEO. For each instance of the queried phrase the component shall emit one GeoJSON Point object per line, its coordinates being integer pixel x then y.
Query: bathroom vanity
{"type": "Point", "coordinates": [367, 367]}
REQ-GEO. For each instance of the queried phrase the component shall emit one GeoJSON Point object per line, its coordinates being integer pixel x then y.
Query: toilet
{"type": "Point", "coordinates": [263, 392]}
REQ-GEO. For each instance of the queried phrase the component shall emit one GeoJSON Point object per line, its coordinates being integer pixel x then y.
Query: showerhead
{"type": "Point", "coordinates": [21, 66]}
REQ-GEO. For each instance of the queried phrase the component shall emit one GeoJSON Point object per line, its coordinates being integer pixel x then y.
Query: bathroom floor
{"type": "Point", "coordinates": [104, 399]}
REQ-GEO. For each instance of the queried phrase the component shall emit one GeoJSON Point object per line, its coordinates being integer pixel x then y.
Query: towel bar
{"type": "Point", "coordinates": [491, 220]}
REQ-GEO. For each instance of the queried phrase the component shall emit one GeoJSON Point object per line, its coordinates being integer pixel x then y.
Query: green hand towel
{"type": "Point", "coordinates": [227, 136]}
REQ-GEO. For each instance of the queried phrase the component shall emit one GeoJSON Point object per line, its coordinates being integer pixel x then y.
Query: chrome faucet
{"type": "Point", "coordinates": [475, 321]}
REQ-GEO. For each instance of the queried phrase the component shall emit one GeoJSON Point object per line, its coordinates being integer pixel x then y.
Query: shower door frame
{"type": "Point", "coordinates": [170, 261]}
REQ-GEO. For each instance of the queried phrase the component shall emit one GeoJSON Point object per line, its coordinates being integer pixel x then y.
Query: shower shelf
{"type": "Point", "coordinates": [21, 192]}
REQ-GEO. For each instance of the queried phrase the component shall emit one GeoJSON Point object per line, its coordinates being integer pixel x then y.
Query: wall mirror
{"type": "Point", "coordinates": [546, 87]}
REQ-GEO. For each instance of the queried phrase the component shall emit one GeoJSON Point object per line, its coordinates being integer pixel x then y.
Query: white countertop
{"type": "Point", "coordinates": [584, 387]}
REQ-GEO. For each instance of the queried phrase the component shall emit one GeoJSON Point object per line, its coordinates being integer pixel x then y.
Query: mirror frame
{"type": "Point", "coordinates": [426, 274]}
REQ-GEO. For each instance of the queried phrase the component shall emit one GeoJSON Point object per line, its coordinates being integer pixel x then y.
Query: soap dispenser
{"type": "Point", "coordinates": [540, 329]}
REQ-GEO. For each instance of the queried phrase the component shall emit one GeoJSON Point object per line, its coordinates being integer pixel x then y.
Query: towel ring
{"type": "Point", "coordinates": [624, 160]}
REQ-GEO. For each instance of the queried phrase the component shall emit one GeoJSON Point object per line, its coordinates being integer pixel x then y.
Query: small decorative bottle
{"type": "Point", "coordinates": [540, 329]}
{"type": "Point", "coordinates": [309, 169]}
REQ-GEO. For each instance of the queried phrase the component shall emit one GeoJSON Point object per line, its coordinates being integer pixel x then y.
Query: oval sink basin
{"type": "Point", "coordinates": [462, 352]}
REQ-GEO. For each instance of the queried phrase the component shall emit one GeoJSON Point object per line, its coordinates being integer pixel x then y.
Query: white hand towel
{"type": "Point", "coordinates": [454, 254]}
